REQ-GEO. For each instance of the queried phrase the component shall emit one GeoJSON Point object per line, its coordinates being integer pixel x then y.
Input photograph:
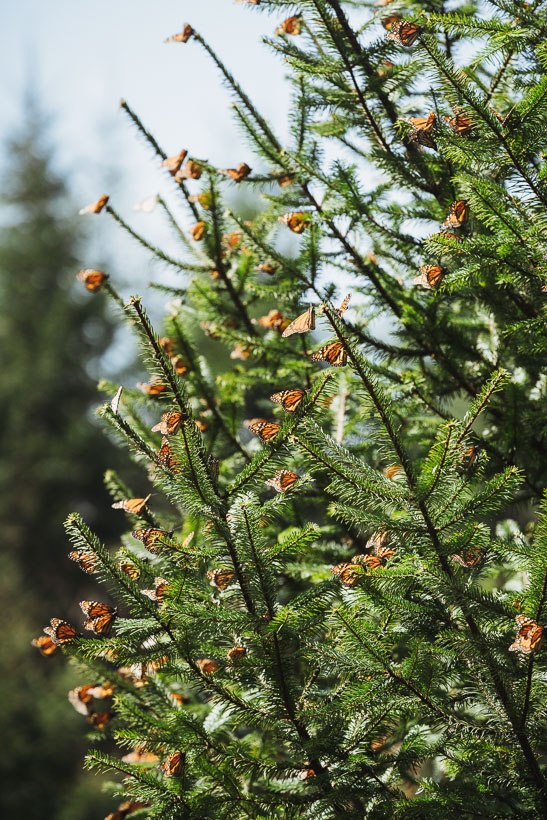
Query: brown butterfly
{"type": "Point", "coordinates": [266, 267]}
{"type": "Point", "coordinates": [368, 561]}
{"type": "Point", "coordinates": [115, 403]}
{"type": "Point", "coordinates": [529, 636]}
{"type": "Point", "coordinates": [430, 276]}
{"type": "Point", "coordinates": [423, 126]}
{"type": "Point", "coordinates": [302, 323]}
{"type": "Point", "coordinates": [183, 36]}
{"type": "Point", "coordinates": [61, 632]}
{"type": "Point", "coordinates": [264, 429]}
{"type": "Point", "coordinates": [99, 719]}
{"type": "Point", "coordinates": [404, 33]}
{"type": "Point", "coordinates": [140, 756]}
{"type": "Point", "coordinates": [343, 307]}
{"type": "Point", "coordinates": [168, 345]}
{"type": "Point", "coordinates": [236, 653]}
{"type": "Point", "coordinates": [165, 455]}
{"type": "Point", "coordinates": [85, 560]}
{"type": "Point", "coordinates": [457, 215]}
{"type": "Point", "coordinates": [190, 171]}
{"type": "Point", "coordinates": [95, 207]}
{"type": "Point", "coordinates": [347, 573]}
{"type": "Point", "coordinates": [392, 470]}
{"type": "Point", "coordinates": [461, 124]}
{"type": "Point", "coordinates": [173, 765]}
{"type": "Point", "coordinates": [204, 199]}
{"type": "Point", "coordinates": [124, 809]}
{"type": "Point", "coordinates": [283, 480]}
{"type": "Point", "coordinates": [158, 593]}
{"type": "Point", "coordinates": [129, 569]}
{"type": "Point", "coordinates": [296, 221]}
{"type": "Point", "coordinates": [132, 505]}
{"type": "Point", "coordinates": [388, 22]}
{"type": "Point", "coordinates": [81, 699]}
{"type": "Point", "coordinates": [292, 25]}
{"type": "Point", "coordinates": [153, 389]}
{"type": "Point", "coordinates": [385, 66]}
{"type": "Point", "coordinates": [284, 179]}
{"type": "Point", "coordinates": [221, 578]}
{"type": "Point", "coordinates": [290, 400]}
{"type": "Point", "coordinates": [170, 423]}
{"type": "Point", "coordinates": [241, 351]}
{"type": "Point", "coordinates": [99, 616]}
{"type": "Point", "coordinates": [198, 231]}
{"type": "Point", "coordinates": [150, 538]}
{"type": "Point", "coordinates": [45, 644]}
{"type": "Point", "coordinates": [173, 163]}
{"type": "Point", "coordinates": [208, 665]}
{"type": "Point", "coordinates": [273, 319]}
{"type": "Point", "coordinates": [334, 354]}
{"type": "Point", "coordinates": [468, 558]}
{"type": "Point", "coordinates": [92, 279]}
{"type": "Point", "coordinates": [239, 173]}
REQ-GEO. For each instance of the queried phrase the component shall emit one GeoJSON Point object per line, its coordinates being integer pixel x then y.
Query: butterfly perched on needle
{"type": "Point", "coordinates": [158, 593]}
{"type": "Point", "coordinates": [348, 574]}
{"type": "Point", "coordinates": [45, 644]}
{"type": "Point", "coordinates": [99, 616]}
{"type": "Point", "coordinates": [292, 25]}
{"type": "Point", "coordinates": [302, 323]}
{"type": "Point", "coordinates": [290, 400]}
{"type": "Point", "coordinates": [173, 765]}
{"type": "Point", "coordinates": [183, 36]}
{"type": "Point", "coordinates": [468, 558]}
{"type": "Point", "coordinates": [92, 279]}
{"type": "Point", "coordinates": [81, 699]}
{"type": "Point", "coordinates": [128, 568]}
{"type": "Point", "coordinates": [153, 389]}
{"type": "Point", "coordinates": [343, 307]}
{"type": "Point", "coordinates": [151, 538]}
{"type": "Point", "coordinates": [404, 32]}
{"type": "Point", "coordinates": [283, 480]}
{"type": "Point", "coordinates": [85, 560]}
{"type": "Point", "coordinates": [170, 423]}
{"type": "Point", "coordinates": [221, 578]}
{"type": "Point", "coordinates": [334, 354]}
{"type": "Point", "coordinates": [430, 276]}
{"type": "Point", "coordinates": [173, 164]}
{"type": "Point", "coordinates": [423, 127]}
{"type": "Point", "coordinates": [238, 174]}
{"type": "Point", "coordinates": [165, 456]}
{"type": "Point", "coordinates": [529, 636]}
{"type": "Point", "coordinates": [208, 665]}
{"type": "Point", "coordinates": [132, 505]}
{"type": "Point", "coordinates": [100, 719]}
{"type": "Point", "coordinates": [296, 221]}
{"type": "Point", "coordinates": [264, 429]}
{"type": "Point", "coordinates": [95, 207]}
{"type": "Point", "coordinates": [236, 653]}
{"type": "Point", "coordinates": [461, 124]}
{"type": "Point", "coordinates": [61, 631]}
{"type": "Point", "coordinates": [457, 215]}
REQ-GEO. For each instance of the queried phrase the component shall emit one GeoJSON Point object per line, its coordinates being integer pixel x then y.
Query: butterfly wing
{"type": "Point", "coordinates": [302, 323]}
{"type": "Point", "coordinates": [333, 353]}
{"type": "Point", "coordinates": [289, 400]}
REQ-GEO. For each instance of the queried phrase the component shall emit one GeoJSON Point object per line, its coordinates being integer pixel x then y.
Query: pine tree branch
{"type": "Point", "coordinates": [176, 263]}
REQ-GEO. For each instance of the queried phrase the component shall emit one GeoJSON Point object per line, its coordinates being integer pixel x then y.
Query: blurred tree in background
{"type": "Point", "coordinates": [52, 460]}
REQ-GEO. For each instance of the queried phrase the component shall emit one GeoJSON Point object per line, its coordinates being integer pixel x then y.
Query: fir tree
{"type": "Point", "coordinates": [340, 617]}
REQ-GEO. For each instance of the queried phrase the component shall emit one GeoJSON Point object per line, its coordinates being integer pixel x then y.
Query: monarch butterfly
{"type": "Point", "coordinates": [180, 365]}
{"type": "Point", "coordinates": [457, 215]}
{"type": "Point", "coordinates": [92, 279]}
{"type": "Point", "coordinates": [296, 221]}
{"type": "Point", "coordinates": [190, 171]}
{"type": "Point", "coordinates": [292, 25]}
{"type": "Point", "coordinates": [85, 560]}
{"type": "Point", "coordinates": [423, 127]}
{"type": "Point", "coordinates": [129, 569]}
{"type": "Point", "coordinates": [103, 690]}
{"type": "Point", "coordinates": [469, 558]}
{"type": "Point", "coordinates": [132, 505]}
{"type": "Point", "coordinates": [95, 207]}
{"type": "Point", "coordinates": [173, 163]}
{"type": "Point", "coordinates": [283, 480]}
{"type": "Point", "coordinates": [266, 267]}
{"type": "Point", "coordinates": [236, 653]}
{"type": "Point", "coordinates": [285, 179]}
{"type": "Point", "coordinates": [290, 400]}
{"type": "Point", "coordinates": [302, 323]}
{"type": "Point", "coordinates": [333, 353]}
{"type": "Point", "coordinates": [198, 231]}
{"type": "Point", "coordinates": [208, 665]}
{"type": "Point", "coordinates": [61, 631]}
{"type": "Point", "coordinates": [153, 389]}
{"type": "Point", "coordinates": [168, 344]}
{"type": "Point", "coordinates": [384, 67]}
{"type": "Point", "coordinates": [115, 403]}
{"type": "Point", "coordinates": [124, 809]}
{"type": "Point", "coordinates": [158, 593]}
{"type": "Point", "coordinates": [389, 21]}
{"type": "Point", "coordinates": [241, 351]}
{"type": "Point", "coordinates": [170, 423]}
{"type": "Point", "coordinates": [239, 173]}
{"type": "Point", "coordinates": [99, 719]}
{"type": "Point", "coordinates": [529, 636]}
{"type": "Point", "coordinates": [183, 36]}
{"type": "Point", "coordinates": [150, 538]}
{"type": "Point", "coordinates": [264, 429]}
{"type": "Point", "coordinates": [404, 33]}
{"type": "Point", "coordinates": [369, 561]}
{"type": "Point", "coordinates": [391, 471]}
{"type": "Point", "coordinates": [348, 573]}
{"type": "Point", "coordinates": [173, 765]}
{"type": "Point", "coordinates": [430, 276]}
{"type": "Point", "coordinates": [165, 456]}
{"type": "Point", "coordinates": [273, 319]}
{"type": "Point", "coordinates": [461, 124]}
{"type": "Point", "coordinates": [140, 756]}
{"type": "Point", "coordinates": [378, 539]}
{"type": "Point", "coordinates": [81, 699]}
{"type": "Point", "coordinates": [221, 578]}
{"type": "Point", "coordinates": [307, 774]}
{"type": "Point", "coordinates": [45, 644]}
{"type": "Point", "coordinates": [99, 616]}
{"type": "Point", "coordinates": [344, 306]}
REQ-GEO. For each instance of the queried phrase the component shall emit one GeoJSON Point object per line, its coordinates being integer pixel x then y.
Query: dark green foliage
{"type": "Point", "coordinates": [376, 599]}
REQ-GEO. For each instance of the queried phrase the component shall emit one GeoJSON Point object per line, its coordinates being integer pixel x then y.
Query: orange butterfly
{"type": "Point", "coordinates": [333, 353]}
{"type": "Point", "coordinates": [404, 33]}
{"type": "Point", "coordinates": [190, 171]}
{"type": "Point", "coordinates": [284, 179]}
{"type": "Point", "coordinates": [388, 22]}
{"type": "Point", "coordinates": [469, 558]}
{"type": "Point", "coordinates": [198, 231]}
{"type": "Point", "coordinates": [166, 457]}
{"type": "Point", "coordinates": [266, 267]}
{"type": "Point", "coordinates": [129, 569]}
{"type": "Point", "coordinates": [430, 276]}
{"type": "Point", "coordinates": [296, 221]}
{"type": "Point", "coordinates": [132, 505]}
{"type": "Point", "coordinates": [423, 127]}
{"type": "Point", "coordinates": [368, 561]}
{"type": "Point", "coordinates": [236, 653]}
{"type": "Point", "coordinates": [343, 307]}
{"type": "Point", "coordinates": [168, 345]}
{"type": "Point", "coordinates": [241, 351]}
{"type": "Point", "coordinates": [457, 215]}
{"type": "Point", "coordinates": [158, 593]}
{"type": "Point", "coordinates": [292, 25]}
{"type": "Point", "coordinates": [264, 429]}
{"type": "Point", "coordinates": [140, 756]}
{"type": "Point", "coordinates": [239, 173]}
{"type": "Point", "coordinates": [170, 423]}
{"type": "Point", "coordinates": [99, 719]}
{"type": "Point", "coordinates": [61, 632]}
{"type": "Point", "coordinates": [290, 400]}
{"type": "Point", "coordinates": [302, 323]}
{"type": "Point", "coordinates": [154, 389]}
{"type": "Point", "coordinates": [99, 616]}
{"type": "Point", "coordinates": [81, 699]}
{"type": "Point", "coordinates": [95, 207]}
{"type": "Point", "coordinates": [384, 67]}
{"type": "Point", "coordinates": [529, 636]}
{"type": "Point", "coordinates": [273, 319]}
{"type": "Point", "coordinates": [173, 765]}
{"type": "Point", "coordinates": [461, 124]}
{"type": "Point", "coordinates": [85, 560]}
{"type": "Point", "coordinates": [221, 578]}
{"type": "Point", "coordinates": [183, 36]}
{"type": "Point", "coordinates": [45, 644]}
{"type": "Point", "coordinates": [173, 163]}
{"type": "Point", "coordinates": [283, 480]}
{"type": "Point", "coordinates": [392, 471]}
{"type": "Point", "coordinates": [92, 279]}
{"type": "Point", "coordinates": [125, 808]}
{"type": "Point", "coordinates": [208, 665]}
{"type": "Point", "coordinates": [150, 537]}
{"type": "Point", "coordinates": [348, 573]}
